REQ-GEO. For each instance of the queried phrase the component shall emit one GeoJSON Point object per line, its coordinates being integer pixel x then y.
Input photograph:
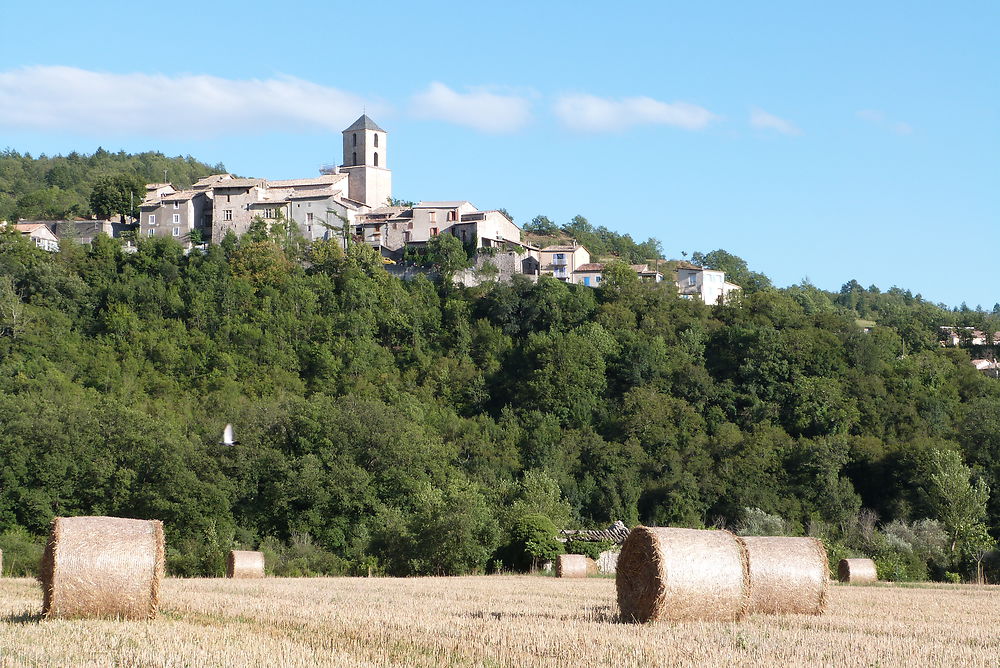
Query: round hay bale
{"type": "Point", "coordinates": [245, 564]}
{"type": "Point", "coordinates": [102, 567]}
{"type": "Point", "coordinates": [787, 575]}
{"type": "Point", "coordinates": [857, 571]}
{"type": "Point", "coordinates": [682, 574]}
{"type": "Point", "coordinates": [575, 566]}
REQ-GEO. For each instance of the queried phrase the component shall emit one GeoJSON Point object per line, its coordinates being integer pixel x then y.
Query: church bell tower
{"type": "Point", "coordinates": [369, 178]}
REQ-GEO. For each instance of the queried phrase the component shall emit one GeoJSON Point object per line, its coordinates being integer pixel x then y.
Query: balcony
{"type": "Point", "coordinates": [559, 262]}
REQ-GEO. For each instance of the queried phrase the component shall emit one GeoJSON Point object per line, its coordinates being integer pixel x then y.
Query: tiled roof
{"type": "Point", "coordinates": [684, 264]}
{"type": "Point", "coordinates": [313, 194]}
{"type": "Point", "coordinates": [593, 266]}
{"type": "Point", "coordinates": [211, 180]}
{"type": "Point", "coordinates": [28, 228]}
{"type": "Point", "coordinates": [157, 186]}
{"type": "Point", "coordinates": [326, 180]}
{"type": "Point", "coordinates": [364, 123]}
{"type": "Point", "coordinates": [561, 248]}
{"type": "Point", "coordinates": [238, 183]}
{"type": "Point", "coordinates": [180, 196]}
{"type": "Point", "coordinates": [440, 205]}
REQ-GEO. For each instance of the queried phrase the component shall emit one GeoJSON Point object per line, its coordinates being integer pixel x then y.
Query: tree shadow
{"type": "Point", "coordinates": [23, 618]}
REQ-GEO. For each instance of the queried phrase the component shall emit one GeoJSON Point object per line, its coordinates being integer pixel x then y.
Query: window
{"type": "Point", "coordinates": [433, 216]}
{"type": "Point", "coordinates": [177, 218]}
{"type": "Point", "coordinates": [598, 279]}
{"type": "Point", "coordinates": [453, 215]}
{"type": "Point", "coordinates": [176, 232]}
{"type": "Point", "coordinates": [359, 230]}
{"type": "Point", "coordinates": [354, 158]}
{"type": "Point", "coordinates": [149, 233]}
{"type": "Point", "coordinates": [434, 231]}
{"type": "Point", "coordinates": [692, 279]}
{"type": "Point", "coordinates": [177, 205]}
{"type": "Point", "coordinates": [354, 140]}
{"type": "Point", "coordinates": [269, 213]}
{"type": "Point", "coordinates": [227, 214]}
{"type": "Point", "coordinates": [152, 219]}
{"type": "Point", "coordinates": [376, 159]}
{"type": "Point", "coordinates": [309, 217]}
{"type": "Point", "coordinates": [376, 141]}
{"type": "Point", "coordinates": [560, 256]}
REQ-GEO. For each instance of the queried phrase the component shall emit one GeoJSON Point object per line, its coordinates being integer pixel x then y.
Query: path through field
{"type": "Point", "coordinates": [494, 621]}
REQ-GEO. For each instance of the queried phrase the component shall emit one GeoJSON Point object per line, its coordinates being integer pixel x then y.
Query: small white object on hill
{"type": "Point", "coordinates": [227, 436]}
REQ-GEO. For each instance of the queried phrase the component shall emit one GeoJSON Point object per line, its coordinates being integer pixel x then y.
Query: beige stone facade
{"type": "Point", "coordinates": [562, 261]}
{"type": "Point", "coordinates": [175, 214]}
{"type": "Point", "coordinates": [366, 163]}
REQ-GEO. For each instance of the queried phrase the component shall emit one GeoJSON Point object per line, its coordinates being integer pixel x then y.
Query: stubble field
{"type": "Point", "coordinates": [494, 621]}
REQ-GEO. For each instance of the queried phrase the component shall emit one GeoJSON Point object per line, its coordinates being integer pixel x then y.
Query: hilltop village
{"type": "Point", "coordinates": [353, 203]}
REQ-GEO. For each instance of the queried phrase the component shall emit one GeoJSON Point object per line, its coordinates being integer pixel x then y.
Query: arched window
{"type": "Point", "coordinates": [376, 159]}
{"type": "Point", "coordinates": [354, 158]}
{"type": "Point", "coordinates": [354, 139]}
{"type": "Point", "coordinates": [376, 141]}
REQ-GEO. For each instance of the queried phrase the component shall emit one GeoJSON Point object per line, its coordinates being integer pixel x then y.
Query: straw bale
{"type": "Point", "coordinates": [787, 575]}
{"type": "Point", "coordinates": [575, 566]}
{"type": "Point", "coordinates": [102, 567]}
{"type": "Point", "coordinates": [245, 564]}
{"type": "Point", "coordinates": [682, 574]}
{"type": "Point", "coordinates": [857, 571]}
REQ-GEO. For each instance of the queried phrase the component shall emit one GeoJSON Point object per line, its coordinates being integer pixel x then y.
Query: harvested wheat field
{"type": "Point", "coordinates": [494, 621]}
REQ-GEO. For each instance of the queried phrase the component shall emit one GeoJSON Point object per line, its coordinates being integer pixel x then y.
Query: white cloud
{"type": "Point", "coordinates": [589, 113]}
{"type": "Point", "coordinates": [876, 117]}
{"type": "Point", "coordinates": [765, 121]}
{"type": "Point", "coordinates": [479, 108]}
{"type": "Point", "coordinates": [57, 98]}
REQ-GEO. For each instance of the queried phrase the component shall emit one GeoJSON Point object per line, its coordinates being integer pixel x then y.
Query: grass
{"type": "Point", "coordinates": [493, 621]}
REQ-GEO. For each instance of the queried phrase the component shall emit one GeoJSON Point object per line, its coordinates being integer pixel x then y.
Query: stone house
{"type": "Point", "coordinates": [176, 214]}
{"type": "Point", "coordinates": [562, 261]}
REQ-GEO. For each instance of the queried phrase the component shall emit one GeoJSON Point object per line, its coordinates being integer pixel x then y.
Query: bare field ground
{"type": "Point", "coordinates": [494, 621]}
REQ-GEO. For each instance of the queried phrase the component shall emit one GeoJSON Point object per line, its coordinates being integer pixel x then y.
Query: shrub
{"type": "Point", "coordinates": [756, 522]}
{"type": "Point", "coordinates": [22, 553]}
{"type": "Point", "coordinates": [588, 548]}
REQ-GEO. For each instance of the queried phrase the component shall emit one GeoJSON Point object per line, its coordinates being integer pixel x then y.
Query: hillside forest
{"type": "Point", "coordinates": [61, 187]}
{"type": "Point", "coordinates": [419, 427]}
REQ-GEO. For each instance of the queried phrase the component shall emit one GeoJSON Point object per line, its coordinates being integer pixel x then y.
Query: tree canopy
{"type": "Point", "coordinates": [418, 427]}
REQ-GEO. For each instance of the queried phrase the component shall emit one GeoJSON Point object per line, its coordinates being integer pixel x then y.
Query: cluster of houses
{"type": "Point", "coordinates": [965, 337]}
{"type": "Point", "coordinates": [353, 201]}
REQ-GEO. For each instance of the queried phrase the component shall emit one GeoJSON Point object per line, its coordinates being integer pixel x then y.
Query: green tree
{"type": "Point", "coordinates": [117, 194]}
{"type": "Point", "coordinates": [533, 541]}
{"type": "Point", "coordinates": [956, 499]}
{"type": "Point", "coordinates": [447, 254]}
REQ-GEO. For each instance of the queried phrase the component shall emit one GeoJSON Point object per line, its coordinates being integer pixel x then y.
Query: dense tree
{"type": "Point", "coordinates": [412, 427]}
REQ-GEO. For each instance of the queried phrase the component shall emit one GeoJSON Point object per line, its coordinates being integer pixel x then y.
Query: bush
{"type": "Point", "coordinates": [301, 558]}
{"type": "Point", "coordinates": [22, 553]}
{"type": "Point", "coordinates": [756, 522]}
{"type": "Point", "coordinates": [533, 540]}
{"type": "Point", "coordinates": [587, 548]}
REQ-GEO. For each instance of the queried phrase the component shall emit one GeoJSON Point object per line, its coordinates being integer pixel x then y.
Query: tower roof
{"type": "Point", "coordinates": [364, 123]}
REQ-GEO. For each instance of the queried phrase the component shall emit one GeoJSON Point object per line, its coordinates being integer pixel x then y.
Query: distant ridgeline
{"type": "Point", "coordinates": [59, 188]}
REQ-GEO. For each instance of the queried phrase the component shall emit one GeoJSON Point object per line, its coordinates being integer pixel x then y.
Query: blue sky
{"type": "Point", "coordinates": [828, 142]}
